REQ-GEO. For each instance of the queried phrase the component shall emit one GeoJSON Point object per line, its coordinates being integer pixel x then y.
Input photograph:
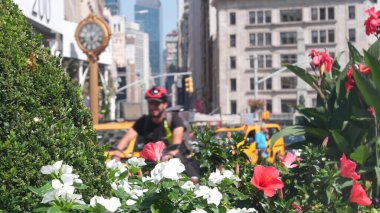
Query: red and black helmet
{"type": "Point", "coordinates": [156, 93]}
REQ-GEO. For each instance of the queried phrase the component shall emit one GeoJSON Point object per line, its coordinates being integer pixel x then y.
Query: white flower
{"type": "Point", "coordinates": [36, 119]}
{"type": "Point", "coordinates": [198, 211]}
{"type": "Point", "coordinates": [130, 202]}
{"type": "Point", "coordinates": [49, 196]}
{"type": "Point", "coordinates": [136, 162]}
{"type": "Point", "coordinates": [78, 181]}
{"type": "Point", "coordinates": [215, 178]}
{"type": "Point", "coordinates": [243, 210]}
{"type": "Point", "coordinates": [137, 192]}
{"type": "Point", "coordinates": [66, 169]}
{"type": "Point", "coordinates": [212, 195]}
{"type": "Point", "coordinates": [113, 164]}
{"type": "Point", "coordinates": [170, 169]}
{"type": "Point", "coordinates": [111, 204]}
{"type": "Point", "coordinates": [188, 185]}
{"type": "Point", "coordinates": [51, 168]}
{"type": "Point", "coordinates": [114, 185]}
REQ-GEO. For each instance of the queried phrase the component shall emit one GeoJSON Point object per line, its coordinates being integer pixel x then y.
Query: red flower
{"type": "Point", "coordinates": [321, 60]}
{"type": "Point", "coordinates": [296, 207]}
{"type": "Point", "coordinates": [288, 159]}
{"type": "Point", "coordinates": [266, 179]}
{"type": "Point", "coordinates": [153, 151]}
{"type": "Point", "coordinates": [372, 110]}
{"type": "Point", "coordinates": [372, 22]}
{"type": "Point", "coordinates": [364, 69]}
{"type": "Point", "coordinates": [350, 83]}
{"type": "Point", "coordinates": [358, 195]}
{"type": "Point", "coordinates": [347, 168]}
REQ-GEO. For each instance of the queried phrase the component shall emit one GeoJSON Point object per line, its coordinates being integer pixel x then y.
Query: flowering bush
{"type": "Point", "coordinates": [256, 104]}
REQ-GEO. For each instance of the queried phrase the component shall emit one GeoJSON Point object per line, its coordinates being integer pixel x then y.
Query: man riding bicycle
{"type": "Point", "coordinates": [156, 127]}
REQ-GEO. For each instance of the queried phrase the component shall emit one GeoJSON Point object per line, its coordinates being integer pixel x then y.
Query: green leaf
{"type": "Point", "coordinates": [374, 49]}
{"type": "Point", "coordinates": [55, 209]}
{"type": "Point", "coordinates": [303, 74]}
{"type": "Point", "coordinates": [81, 207]}
{"type": "Point", "coordinates": [42, 190]}
{"type": "Point", "coordinates": [354, 53]}
{"type": "Point", "coordinates": [288, 131]}
{"type": "Point", "coordinates": [377, 170]}
{"type": "Point", "coordinates": [40, 209]}
{"type": "Point", "coordinates": [340, 142]}
{"type": "Point", "coordinates": [368, 91]}
{"type": "Point", "coordinates": [360, 154]}
{"type": "Point", "coordinates": [374, 65]}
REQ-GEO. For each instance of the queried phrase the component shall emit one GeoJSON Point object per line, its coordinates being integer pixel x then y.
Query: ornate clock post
{"type": "Point", "coordinates": [92, 36]}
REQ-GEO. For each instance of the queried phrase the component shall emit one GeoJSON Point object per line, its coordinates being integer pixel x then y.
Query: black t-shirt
{"type": "Point", "coordinates": [153, 132]}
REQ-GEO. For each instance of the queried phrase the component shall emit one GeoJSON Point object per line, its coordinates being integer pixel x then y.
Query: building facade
{"type": "Point", "coordinates": [151, 23]}
{"type": "Point", "coordinates": [279, 32]}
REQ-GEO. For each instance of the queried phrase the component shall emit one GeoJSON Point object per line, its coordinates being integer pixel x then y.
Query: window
{"type": "Point", "coordinates": [314, 14]}
{"type": "Point", "coordinates": [260, 17]}
{"type": "Point", "coordinates": [268, 83]}
{"type": "Point", "coordinates": [268, 16]}
{"type": "Point", "coordinates": [268, 61]}
{"type": "Point", "coordinates": [233, 62]}
{"type": "Point", "coordinates": [288, 82]}
{"type": "Point", "coordinates": [260, 39]}
{"type": "Point", "coordinates": [313, 102]}
{"type": "Point", "coordinates": [287, 105]}
{"type": "Point", "coordinates": [233, 84]}
{"type": "Point", "coordinates": [252, 39]}
{"type": "Point", "coordinates": [260, 61]}
{"type": "Point", "coordinates": [261, 85]}
{"type": "Point", "coordinates": [314, 36]}
{"type": "Point", "coordinates": [331, 13]}
{"type": "Point", "coordinates": [232, 18]}
{"type": "Point", "coordinates": [291, 15]}
{"type": "Point", "coordinates": [268, 39]}
{"type": "Point", "coordinates": [288, 37]}
{"type": "Point", "coordinates": [288, 58]}
{"type": "Point", "coordinates": [233, 40]}
{"type": "Point", "coordinates": [269, 105]}
{"type": "Point", "coordinates": [322, 36]}
{"type": "Point", "coordinates": [322, 13]}
{"type": "Point", "coordinates": [252, 84]}
{"type": "Point", "coordinates": [351, 35]}
{"type": "Point", "coordinates": [233, 107]}
{"type": "Point", "coordinates": [252, 17]}
{"type": "Point", "coordinates": [331, 36]}
{"type": "Point", "coordinates": [351, 12]}
{"type": "Point", "coordinates": [251, 61]}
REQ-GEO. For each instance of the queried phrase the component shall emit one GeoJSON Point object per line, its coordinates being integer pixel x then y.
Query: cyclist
{"type": "Point", "coordinates": [156, 127]}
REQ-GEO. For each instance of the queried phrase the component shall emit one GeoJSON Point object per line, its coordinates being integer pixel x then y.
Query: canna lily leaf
{"type": "Point", "coordinates": [341, 142]}
{"type": "Point", "coordinates": [303, 74]}
{"type": "Point", "coordinates": [368, 91]}
{"type": "Point", "coordinates": [374, 49]}
{"type": "Point", "coordinates": [354, 53]}
{"type": "Point", "coordinates": [288, 131]}
{"type": "Point", "coordinates": [374, 65]}
{"type": "Point", "coordinates": [360, 154]}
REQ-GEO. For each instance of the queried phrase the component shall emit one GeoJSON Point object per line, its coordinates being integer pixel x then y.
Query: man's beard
{"type": "Point", "coordinates": [158, 115]}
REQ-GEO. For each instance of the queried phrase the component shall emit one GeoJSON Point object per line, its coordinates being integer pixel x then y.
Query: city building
{"type": "Point", "coordinates": [151, 23]}
{"type": "Point", "coordinates": [113, 6]}
{"type": "Point", "coordinates": [279, 32]}
{"type": "Point", "coordinates": [171, 64]}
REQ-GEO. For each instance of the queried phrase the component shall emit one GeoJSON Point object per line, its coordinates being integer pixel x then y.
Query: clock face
{"type": "Point", "coordinates": [91, 36]}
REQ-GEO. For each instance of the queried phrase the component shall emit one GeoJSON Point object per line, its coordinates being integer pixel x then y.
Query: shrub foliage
{"type": "Point", "coordinates": [42, 117]}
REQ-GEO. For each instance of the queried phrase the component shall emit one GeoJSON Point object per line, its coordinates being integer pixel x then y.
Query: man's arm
{"type": "Point", "coordinates": [131, 134]}
{"type": "Point", "coordinates": [177, 140]}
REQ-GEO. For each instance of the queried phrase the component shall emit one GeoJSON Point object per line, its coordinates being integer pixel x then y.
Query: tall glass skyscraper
{"type": "Point", "coordinates": [151, 23]}
{"type": "Point", "coordinates": [113, 5]}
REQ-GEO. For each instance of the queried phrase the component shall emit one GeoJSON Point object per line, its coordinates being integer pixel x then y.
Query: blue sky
{"type": "Point", "coordinates": [169, 13]}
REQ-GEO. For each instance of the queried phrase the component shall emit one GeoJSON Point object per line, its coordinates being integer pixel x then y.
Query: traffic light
{"type": "Point", "coordinates": [189, 84]}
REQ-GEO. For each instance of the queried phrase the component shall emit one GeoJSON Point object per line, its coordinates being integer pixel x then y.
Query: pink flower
{"type": "Point", "coordinates": [266, 179]}
{"type": "Point", "coordinates": [350, 83]}
{"type": "Point", "coordinates": [153, 151]}
{"type": "Point", "coordinates": [372, 110]}
{"type": "Point", "coordinates": [347, 168]}
{"type": "Point", "coordinates": [372, 22]}
{"type": "Point", "coordinates": [321, 60]}
{"type": "Point", "coordinates": [288, 159]}
{"type": "Point", "coordinates": [296, 207]}
{"type": "Point", "coordinates": [358, 195]}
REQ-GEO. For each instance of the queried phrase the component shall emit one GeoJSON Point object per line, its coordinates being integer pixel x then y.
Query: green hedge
{"type": "Point", "coordinates": [42, 118]}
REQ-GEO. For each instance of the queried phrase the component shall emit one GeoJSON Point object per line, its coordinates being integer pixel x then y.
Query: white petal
{"type": "Point", "coordinates": [67, 179]}
{"type": "Point", "coordinates": [56, 184]}
{"type": "Point", "coordinates": [214, 197]}
{"type": "Point", "coordinates": [130, 202]}
{"type": "Point", "coordinates": [47, 169]}
{"type": "Point", "coordinates": [113, 204]}
{"type": "Point", "coordinates": [57, 165]}
{"type": "Point", "coordinates": [66, 169]}
{"type": "Point", "coordinates": [50, 196]}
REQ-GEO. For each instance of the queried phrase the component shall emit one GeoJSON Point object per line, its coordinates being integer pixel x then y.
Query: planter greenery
{"type": "Point", "coordinates": [42, 117]}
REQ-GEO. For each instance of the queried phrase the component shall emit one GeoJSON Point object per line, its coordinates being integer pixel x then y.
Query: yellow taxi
{"type": "Point", "coordinates": [112, 132]}
{"type": "Point", "coordinates": [249, 131]}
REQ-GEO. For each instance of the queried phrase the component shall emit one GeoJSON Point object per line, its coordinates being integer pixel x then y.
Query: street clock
{"type": "Point", "coordinates": [92, 35]}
